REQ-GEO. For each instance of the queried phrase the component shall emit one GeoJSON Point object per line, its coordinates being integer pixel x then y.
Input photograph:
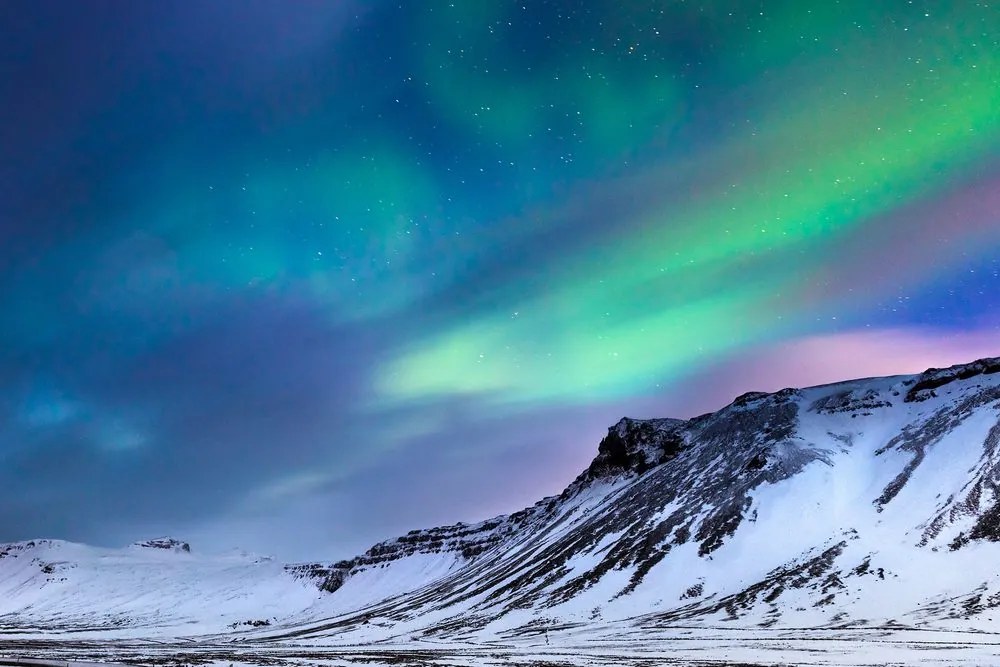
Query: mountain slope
{"type": "Point", "coordinates": [871, 503]}
{"type": "Point", "coordinates": [157, 585]}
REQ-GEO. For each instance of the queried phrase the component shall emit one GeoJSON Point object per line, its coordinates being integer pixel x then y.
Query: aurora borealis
{"type": "Point", "coordinates": [299, 276]}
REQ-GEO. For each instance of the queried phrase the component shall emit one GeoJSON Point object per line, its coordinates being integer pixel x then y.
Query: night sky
{"type": "Point", "coordinates": [300, 276]}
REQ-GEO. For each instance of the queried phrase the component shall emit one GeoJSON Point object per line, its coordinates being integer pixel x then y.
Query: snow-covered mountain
{"type": "Point", "coordinates": [157, 586]}
{"type": "Point", "coordinates": [866, 503]}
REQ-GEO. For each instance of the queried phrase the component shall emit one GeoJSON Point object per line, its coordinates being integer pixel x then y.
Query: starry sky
{"type": "Point", "coordinates": [300, 276]}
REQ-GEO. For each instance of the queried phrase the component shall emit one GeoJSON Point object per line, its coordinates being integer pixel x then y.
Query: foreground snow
{"type": "Point", "coordinates": [594, 647]}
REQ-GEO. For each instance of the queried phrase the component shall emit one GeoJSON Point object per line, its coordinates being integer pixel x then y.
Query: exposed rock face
{"type": "Point", "coordinates": [21, 548]}
{"type": "Point", "coordinates": [635, 445]}
{"type": "Point", "coordinates": [165, 543]}
{"type": "Point", "coordinates": [933, 378]}
{"type": "Point", "coordinates": [327, 577]}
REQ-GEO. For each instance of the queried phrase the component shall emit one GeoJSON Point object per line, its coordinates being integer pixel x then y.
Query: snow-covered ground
{"type": "Point", "coordinates": [611, 647]}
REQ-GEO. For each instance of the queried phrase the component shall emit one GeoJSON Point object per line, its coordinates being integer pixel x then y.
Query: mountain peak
{"type": "Point", "coordinates": [635, 445]}
{"type": "Point", "coordinates": [934, 378]}
{"type": "Point", "coordinates": [164, 543]}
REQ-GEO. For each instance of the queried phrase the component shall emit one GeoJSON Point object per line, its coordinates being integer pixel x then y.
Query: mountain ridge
{"type": "Point", "coordinates": [627, 447]}
{"type": "Point", "coordinates": [859, 502]}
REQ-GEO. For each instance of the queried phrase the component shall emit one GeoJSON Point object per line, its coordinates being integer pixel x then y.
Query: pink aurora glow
{"type": "Point", "coordinates": [829, 358]}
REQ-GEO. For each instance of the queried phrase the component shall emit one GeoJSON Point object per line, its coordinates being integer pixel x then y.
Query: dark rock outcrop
{"type": "Point", "coordinates": [165, 543]}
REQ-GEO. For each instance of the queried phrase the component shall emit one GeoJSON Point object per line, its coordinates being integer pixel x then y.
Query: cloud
{"type": "Point", "coordinates": [179, 431]}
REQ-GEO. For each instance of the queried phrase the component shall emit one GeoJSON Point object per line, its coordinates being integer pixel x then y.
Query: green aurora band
{"type": "Point", "coordinates": [819, 148]}
{"type": "Point", "coordinates": [684, 224]}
